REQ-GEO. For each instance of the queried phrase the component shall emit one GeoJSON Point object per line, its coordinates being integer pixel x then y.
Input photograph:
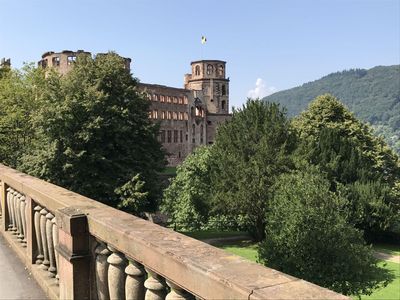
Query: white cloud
{"type": "Point", "coordinates": [261, 90]}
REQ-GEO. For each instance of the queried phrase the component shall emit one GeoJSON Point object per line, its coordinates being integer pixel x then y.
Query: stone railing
{"type": "Point", "coordinates": [77, 248]}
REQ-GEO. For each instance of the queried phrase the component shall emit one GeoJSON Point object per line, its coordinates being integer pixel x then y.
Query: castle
{"type": "Point", "coordinates": [188, 116]}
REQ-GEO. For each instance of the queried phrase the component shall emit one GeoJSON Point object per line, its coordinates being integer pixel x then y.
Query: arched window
{"type": "Point", "coordinates": [197, 70]}
{"type": "Point", "coordinates": [221, 70]}
{"type": "Point", "coordinates": [209, 69]}
{"type": "Point", "coordinates": [223, 104]}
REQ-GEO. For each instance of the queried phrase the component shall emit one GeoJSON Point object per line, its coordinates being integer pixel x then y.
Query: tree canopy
{"type": "Point", "coordinates": [90, 131]}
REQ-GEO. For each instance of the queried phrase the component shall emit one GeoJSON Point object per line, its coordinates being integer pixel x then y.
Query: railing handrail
{"type": "Point", "coordinates": [201, 269]}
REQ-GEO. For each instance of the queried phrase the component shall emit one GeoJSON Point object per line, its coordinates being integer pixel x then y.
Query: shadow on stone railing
{"type": "Point", "coordinates": [78, 248]}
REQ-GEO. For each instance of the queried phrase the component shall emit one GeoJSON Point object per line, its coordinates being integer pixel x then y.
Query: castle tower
{"type": "Point", "coordinates": [209, 83]}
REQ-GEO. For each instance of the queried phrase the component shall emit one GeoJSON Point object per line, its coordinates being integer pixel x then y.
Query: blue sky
{"type": "Point", "coordinates": [278, 44]}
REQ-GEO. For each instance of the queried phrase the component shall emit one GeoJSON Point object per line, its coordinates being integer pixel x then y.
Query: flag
{"type": "Point", "coordinates": [203, 40]}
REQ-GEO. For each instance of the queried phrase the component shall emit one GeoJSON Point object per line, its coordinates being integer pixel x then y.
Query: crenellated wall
{"type": "Point", "coordinates": [78, 248]}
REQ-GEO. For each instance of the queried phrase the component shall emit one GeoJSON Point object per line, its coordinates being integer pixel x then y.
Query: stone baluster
{"type": "Point", "coordinates": [9, 191]}
{"type": "Point", "coordinates": [39, 257]}
{"type": "Point", "coordinates": [134, 284]}
{"type": "Point", "coordinates": [177, 293]}
{"type": "Point", "coordinates": [55, 242]}
{"type": "Point", "coordinates": [16, 219]}
{"type": "Point", "coordinates": [12, 204]}
{"type": "Point", "coordinates": [101, 270]}
{"type": "Point", "coordinates": [116, 274]}
{"type": "Point", "coordinates": [20, 235]}
{"type": "Point", "coordinates": [27, 218]}
{"type": "Point", "coordinates": [46, 262]}
{"type": "Point", "coordinates": [155, 285]}
{"type": "Point", "coordinates": [50, 245]}
{"type": "Point", "coordinates": [23, 220]}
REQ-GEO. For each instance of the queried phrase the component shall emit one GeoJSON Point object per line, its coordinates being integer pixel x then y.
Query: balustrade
{"type": "Point", "coordinates": [54, 230]}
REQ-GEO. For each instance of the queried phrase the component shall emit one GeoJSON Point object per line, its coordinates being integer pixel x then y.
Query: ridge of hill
{"type": "Point", "coordinates": [373, 95]}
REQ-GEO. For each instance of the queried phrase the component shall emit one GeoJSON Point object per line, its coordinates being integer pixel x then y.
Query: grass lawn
{"type": "Point", "coordinates": [246, 250]}
{"type": "Point", "coordinates": [392, 290]}
{"type": "Point", "coordinates": [387, 248]}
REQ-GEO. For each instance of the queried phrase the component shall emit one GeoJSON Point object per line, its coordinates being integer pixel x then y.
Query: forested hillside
{"type": "Point", "coordinates": [373, 95]}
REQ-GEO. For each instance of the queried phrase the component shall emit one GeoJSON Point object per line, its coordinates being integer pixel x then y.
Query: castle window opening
{"type": "Point", "coordinates": [181, 136]}
{"type": "Point", "coordinates": [209, 69]}
{"type": "Point", "coordinates": [169, 116]}
{"type": "Point", "coordinates": [221, 70]}
{"type": "Point", "coordinates": [180, 115]}
{"type": "Point", "coordinates": [223, 104]}
{"type": "Point", "coordinates": [197, 70]}
{"type": "Point", "coordinates": [201, 134]}
{"type": "Point", "coordinates": [162, 99]}
{"type": "Point", "coordinates": [193, 130]}
{"type": "Point", "coordinates": [209, 123]}
{"type": "Point", "coordinates": [185, 100]}
{"type": "Point", "coordinates": [163, 115]}
{"type": "Point", "coordinates": [175, 115]}
{"type": "Point", "coordinates": [56, 61]}
{"type": "Point", "coordinates": [180, 100]}
{"type": "Point", "coordinates": [168, 99]}
{"type": "Point", "coordinates": [169, 134]}
{"type": "Point", "coordinates": [175, 136]}
{"type": "Point", "coordinates": [223, 90]}
{"type": "Point", "coordinates": [71, 59]}
{"type": "Point", "coordinates": [44, 63]}
{"type": "Point", "coordinates": [162, 136]}
{"type": "Point", "coordinates": [186, 137]}
{"type": "Point", "coordinates": [150, 114]}
{"type": "Point", "coordinates": [179, 154]}
{"type": "Point", "coordinates": [155, 97]}
{"type": "Point", "coordinates": [175, 100]}
{"type": "Point", "coordinates": [155, 114]}
{"type": "Point", "coordinates": [186, 116]}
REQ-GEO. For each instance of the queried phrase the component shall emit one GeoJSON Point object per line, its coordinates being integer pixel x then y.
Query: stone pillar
{"type": "Point", "coordinates": [155, 285]}
{"type": "Point", "coordinates": [30, 236]}
{"type": "Point", "coordinates": [74, 254]}
{"type": "Point", "coordinates": [116, 274]}
{"type": "Point", "coordinates": [134, 284]}
{"type": "Point", "coordinates": [38, 235]}
{"type": "Point", "coordinates": [23, 220]}
{"type": "Point", "coordinates": [50, 244]}
{"type": "Point", "coordinates": [54, 231]}
{"type": "Point", "coordinates": [177, 293]}
{"type": "Point", "coordinates": [45, 263]}
{"type": "Point", "coordinates": [5, 213]}
{"type": "Point", "coordinates": [101, 271]}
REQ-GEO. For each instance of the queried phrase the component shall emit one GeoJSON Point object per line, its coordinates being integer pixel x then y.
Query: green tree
{"type": "Point", "coordinates": [186, 200]}
{"type": "Point", "coordinates": [308, 236]}
{"type": "Point", "coordinates": [358, 164]}
{"type": "Point", "coordinates": [19, 93]}
{"type": "Point", "coordinates": [132, 196]}
{"type": "Point", "coordinates": [250, 151]}
{"type": "Point", "coordinates": [94, 133]}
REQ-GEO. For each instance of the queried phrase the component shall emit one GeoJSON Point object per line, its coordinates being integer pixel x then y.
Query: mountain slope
{"type": "Point", "coordinates": [373, 95]}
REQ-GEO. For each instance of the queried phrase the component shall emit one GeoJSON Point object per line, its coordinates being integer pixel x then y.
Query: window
{"type": "Point", "coordinates": [179, 154]}
{"type": "Point", "coordinates": [148, 96]}
{"type": "Point", "coordinates": [169, 116]}
{"type": "Point", "coordinates": [175, 100]}
{"type": "Point", "coordinates": [221, 70]}
{"type": "Point", "coordinates": [71, 59]}
{"type": "Point", "coordinates": [180, 115]}
{"type": "Point", "coordinates": [201, 134]}
{"type": "Point", "coordinates": [209, 69]}
{"type": "Point", "coordinates": [56, 61]}
{"type": "Point", "coordinates": [175, 136]}
{"type": "Point", "coordinates": [169, 136]}
{"type": "Point", "coordinates": [185, 100]}
{"type": "Point", "coordinates": [162, 136]}
{"type": "Point", "coordinates": [155, 114]}
{"type": "Point", "coordinates": [175, 115]}
{"type": "Point", "coordinates": [155, 97]}
{"type": "Point", "coordinates": [186, 116]}
{"type": "Point", "coordinates": [150, 114]}
{"type": "Point", "coordinates": [193, 129]}
{"type": "Point", "coordinates": [163, 115]}
{"type": "Point", "coordinates": [180, 100]}
{"type": "Point", "coordinates": [168, 99]}
{"type": "Point", "coordinates": [162, 99]}
{"type": "Point", "coordinates": [44, 63]}
{"type": "Point", "coordinates": [223, 90]}
{"type": "Point", "coordinates": [223, 104]}
{"type": "Point", "coordinates": [197, 70]}
{"type": "Point", "coordinates": [181, 136]}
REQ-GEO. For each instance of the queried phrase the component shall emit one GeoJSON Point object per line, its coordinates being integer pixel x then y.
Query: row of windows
{"type": "Point", "coordinates": [210, 70]}
{"type": "Point", "coordinates": [166, 136]}
{"type": "Point", "coordinates": [168, 115]}
{"type": "Point", "coordinates": [168, 99]}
